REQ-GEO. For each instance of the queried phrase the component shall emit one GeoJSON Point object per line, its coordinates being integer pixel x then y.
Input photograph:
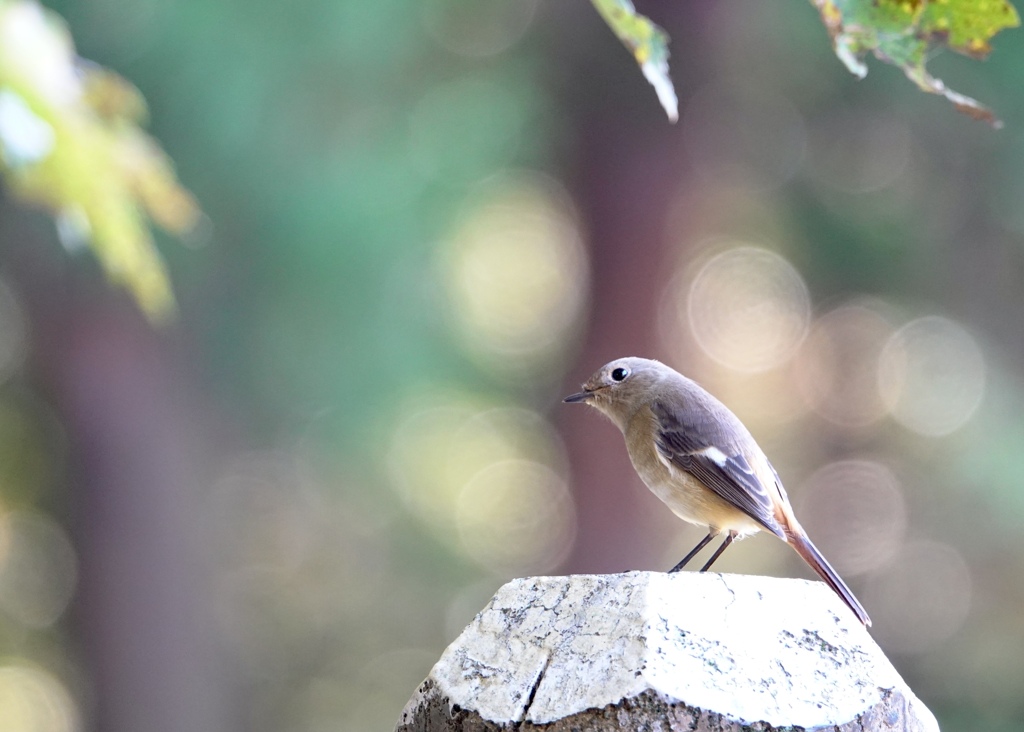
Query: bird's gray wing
{"type": "Point", "coordinates": [708, 450]}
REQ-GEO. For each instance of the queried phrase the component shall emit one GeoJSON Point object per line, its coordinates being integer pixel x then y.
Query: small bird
{"type": "Point", "coordinates": [696, 456]}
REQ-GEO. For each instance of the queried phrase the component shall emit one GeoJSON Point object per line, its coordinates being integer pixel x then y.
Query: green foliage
{"type": "Point", "coordinates": [649, 45]}
{"type": "Point", "coordinates": [70, 140]}
{"type": "Point", "coordinates": [907, 33]}
{"type": "Point", "coordinates": [904, 33]}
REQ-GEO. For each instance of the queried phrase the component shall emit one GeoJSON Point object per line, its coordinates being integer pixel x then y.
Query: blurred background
{"type": "Point", "coordinates": [429, 220]}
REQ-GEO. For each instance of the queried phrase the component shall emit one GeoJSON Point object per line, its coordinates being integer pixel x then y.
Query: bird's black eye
{"type": "Point", "coordinates": [620, 374]}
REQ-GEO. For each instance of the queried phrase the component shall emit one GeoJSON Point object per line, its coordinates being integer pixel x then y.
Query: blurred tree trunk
{"type": "Point", "coordinates": [627, 170]}
{"type": "Point", "coordinates": [143, 612]}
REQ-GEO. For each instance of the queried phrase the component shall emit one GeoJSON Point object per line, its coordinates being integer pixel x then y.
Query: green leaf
{"type": "Point", "coordinates": [70, 141]}
{"type": "Point", "coordinates": [906, 33]}
{"type": "Point", "coordinates": [648, 44]}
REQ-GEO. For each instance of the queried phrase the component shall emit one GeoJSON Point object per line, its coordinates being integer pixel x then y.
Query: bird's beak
{"type": "Point", "coordinates": [580, 397]}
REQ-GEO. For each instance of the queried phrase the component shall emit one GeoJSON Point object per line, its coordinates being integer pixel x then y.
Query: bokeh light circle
{"type": "Point", "coordinates": [931, 376]}
{"type": "Point", "coordinates": [516, 517]}
{"type": "Point", "coordinates": [516, 273]}
{"type": "Point", "coordinates": [440, 451]}
{"type": "Point", "coordinates": [477, 28]}
{"type": "Point", "coordinates": [39, 570]}
{"type": "Point", "coordinates": [838, 365]}
{"type": "Point", "coordinates": [423, 469]}
{"type": "Point", "coordinates": [748, 309]}
{"type": "Point", "coordinates": [921, 599]}
{"type": "Point", "coordinates": [856, 514]}
{"type": "Point", "coordinates": [33, 700]}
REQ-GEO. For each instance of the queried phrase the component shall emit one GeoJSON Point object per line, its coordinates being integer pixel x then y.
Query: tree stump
{"type": "Point", "coordinates": [653, 651]}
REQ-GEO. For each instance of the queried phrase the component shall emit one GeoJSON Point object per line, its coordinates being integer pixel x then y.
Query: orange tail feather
{"type": "Point", "coordinates": [819, 564]}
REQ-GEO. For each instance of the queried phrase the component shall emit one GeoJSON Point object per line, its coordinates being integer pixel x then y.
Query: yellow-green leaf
{"type": "Point", "coordinates": [648, 44]}
{"type": "Point", "coordinates": [906, 33]}
{"type": "Point", "coordinates": [70, 141]}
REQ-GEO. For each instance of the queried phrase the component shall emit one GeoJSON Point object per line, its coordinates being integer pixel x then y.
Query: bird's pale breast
{"type": "Point", "coordinates": [685, 495]}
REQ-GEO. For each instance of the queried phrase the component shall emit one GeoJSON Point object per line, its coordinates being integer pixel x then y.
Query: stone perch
{"type": "Point", "coordinates": [659, 652]}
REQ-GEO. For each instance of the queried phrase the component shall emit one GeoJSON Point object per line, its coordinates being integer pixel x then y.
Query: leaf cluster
{"type": "Point", "coordinates": [71, 140]}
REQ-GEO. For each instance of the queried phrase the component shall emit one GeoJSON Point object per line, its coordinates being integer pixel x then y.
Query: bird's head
{"type": "Point", "coordinates": [622, 386]}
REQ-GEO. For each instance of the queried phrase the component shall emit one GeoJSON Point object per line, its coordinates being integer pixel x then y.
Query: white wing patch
{"type": "Point", "coordinates": [715, 455]}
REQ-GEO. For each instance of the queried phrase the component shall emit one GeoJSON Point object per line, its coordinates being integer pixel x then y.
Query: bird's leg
{"type": "Point", "coordinates": [703, 543]}
{"type": "Point", "coordinates": [718, 552]}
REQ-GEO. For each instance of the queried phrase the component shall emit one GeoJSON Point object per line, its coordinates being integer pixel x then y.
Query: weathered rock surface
{"type": "Point", "coordinates": [652, 651]}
